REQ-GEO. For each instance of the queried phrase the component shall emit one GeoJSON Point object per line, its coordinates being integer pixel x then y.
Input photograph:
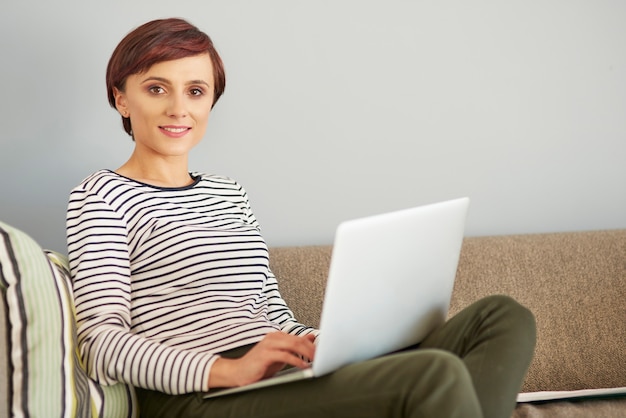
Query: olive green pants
{"type": "Point", "coordinates": [471, 366]}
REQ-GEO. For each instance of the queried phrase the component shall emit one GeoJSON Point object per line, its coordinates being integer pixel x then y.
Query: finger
{"type": "Point", "coordinates": [304, 347]}
{"type": "Point", "coordinates": [294, 346]}
{"type": "Point", "coordinates": [293, 360]}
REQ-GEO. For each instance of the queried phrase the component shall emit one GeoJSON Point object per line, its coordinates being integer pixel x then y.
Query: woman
{"type": "Point", "coordinates": [173, 289]}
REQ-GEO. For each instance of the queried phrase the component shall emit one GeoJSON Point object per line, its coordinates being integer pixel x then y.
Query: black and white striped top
{"type": "Point", "coordinates": [164, 278]}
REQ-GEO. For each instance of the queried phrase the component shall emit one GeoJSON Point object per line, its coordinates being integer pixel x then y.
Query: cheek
{"type": "Point", "coordinates": [139, 114]}
{"type": "Point", "coordinates": [202, 115]}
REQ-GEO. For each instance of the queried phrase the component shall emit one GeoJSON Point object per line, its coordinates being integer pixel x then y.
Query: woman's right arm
{"type": "Point", "coordinates": [100, 265]}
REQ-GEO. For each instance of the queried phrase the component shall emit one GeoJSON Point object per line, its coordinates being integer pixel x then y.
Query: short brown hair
{"type": "Point", "coordinates": [157, 41]}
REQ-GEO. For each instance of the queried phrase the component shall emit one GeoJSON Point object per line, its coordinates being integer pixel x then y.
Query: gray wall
{"type": "Point", "coordinates": [336, 109]}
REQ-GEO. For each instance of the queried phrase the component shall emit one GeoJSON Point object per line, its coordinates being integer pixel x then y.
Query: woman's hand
{"type": "Point", "coordinates": [265, 359]}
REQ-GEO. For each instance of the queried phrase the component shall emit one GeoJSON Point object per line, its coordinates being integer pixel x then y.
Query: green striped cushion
{"type": "Point", "coordinates": [44, 376]}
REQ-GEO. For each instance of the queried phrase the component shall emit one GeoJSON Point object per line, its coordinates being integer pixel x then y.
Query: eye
{"type": "Point", "coordinates": [156, 89]}
{"type": "Point", "coordinates": [196, 91]}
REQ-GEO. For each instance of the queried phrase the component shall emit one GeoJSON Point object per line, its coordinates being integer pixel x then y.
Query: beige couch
{"type": "Point", "coordinates": [575, 284]}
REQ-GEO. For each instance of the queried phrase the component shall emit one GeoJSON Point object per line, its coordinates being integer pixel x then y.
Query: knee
{"type": "Point", "coordinates": [453, 379]}
{"type": "Point", "coordinates": [510, 311]}
{"type": "Point", "coordinates": [512, 307]}
{"type": "Point", "coordinates": [431, 365]}
{"type": "Point", "coordinates": [449, 367]}
{"type": "Point", "coordinates": [428, 382]}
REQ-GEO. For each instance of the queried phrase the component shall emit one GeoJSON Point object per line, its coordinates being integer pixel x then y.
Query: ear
{"type": "Point", "coordinates": [121, 103]}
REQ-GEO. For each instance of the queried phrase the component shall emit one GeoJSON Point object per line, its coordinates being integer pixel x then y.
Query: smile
{"type": "Point", "coordinates": [174, 130]}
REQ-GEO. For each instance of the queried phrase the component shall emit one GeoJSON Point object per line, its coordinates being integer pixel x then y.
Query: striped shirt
{"type": "Point", "coordinates": [165, 278]}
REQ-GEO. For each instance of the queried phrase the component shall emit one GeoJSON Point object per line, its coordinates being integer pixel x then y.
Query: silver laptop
{"type": "Point", "coordinates": [390, 282]}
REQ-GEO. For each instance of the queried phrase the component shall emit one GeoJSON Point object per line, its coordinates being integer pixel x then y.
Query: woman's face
{"type": "Point", "coordinates": [169, 105]}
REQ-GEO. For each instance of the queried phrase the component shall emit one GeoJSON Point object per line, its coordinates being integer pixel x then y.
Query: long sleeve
{"type": "Point", "coordinates": [99, 261]}
{"type": "Point", "coordinates": [278, 311]}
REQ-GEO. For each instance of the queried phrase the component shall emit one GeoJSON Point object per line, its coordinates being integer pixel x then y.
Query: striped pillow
{"type": "Point", "coordinates": [44, 376]}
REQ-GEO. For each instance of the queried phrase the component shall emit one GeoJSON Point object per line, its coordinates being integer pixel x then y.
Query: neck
{"type": "Point", "coordinates": [170, 172]}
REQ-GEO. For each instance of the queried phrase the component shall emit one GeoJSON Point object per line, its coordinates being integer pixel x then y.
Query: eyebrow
{"type": "Point", "coordinates": [166, 81]}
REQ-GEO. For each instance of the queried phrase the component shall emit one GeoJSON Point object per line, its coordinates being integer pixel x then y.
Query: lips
{"type": "Point", "coordinates": [175, 131]}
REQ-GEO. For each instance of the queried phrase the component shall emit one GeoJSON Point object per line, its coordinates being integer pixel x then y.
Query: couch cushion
{"type": "Point", "coordinates": [591, 408]}
{"type": "Point", "coordinates": [44, 375]}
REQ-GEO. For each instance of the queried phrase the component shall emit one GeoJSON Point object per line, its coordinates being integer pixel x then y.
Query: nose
{"type": "Point", "coordinates": [176, 106]}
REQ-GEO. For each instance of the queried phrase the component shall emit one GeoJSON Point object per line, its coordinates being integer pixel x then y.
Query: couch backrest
{"type": "Point", "coordinates": [575, 284]}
